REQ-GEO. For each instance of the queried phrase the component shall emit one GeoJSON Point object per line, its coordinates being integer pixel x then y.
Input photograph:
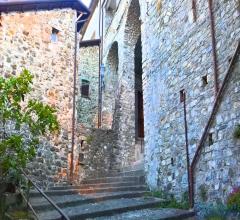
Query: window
{"type": "Point", "coordinates": [204, 80]}
{"type": "Point", "coordinates": [54, 35]}
{"type": "Point", "coordinates": [182, 95]}
{"type": "Point", "coordinates": [210, 139]}
{"type": "Point", "coordinates": [85, 88]}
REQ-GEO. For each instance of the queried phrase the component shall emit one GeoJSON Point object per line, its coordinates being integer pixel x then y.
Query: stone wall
{"type": "Point", "coordinates": [110, 87]}
{"type": "Point", "coordinates": [88, 70]}
{"type": "Point", "coordinates": [100, 154]}
{"type": "Point", "coordinates": [218, 169]}
{"type": "Point", "coordinates": [26, 42]}
{"type": "Point", "coordinates": [87, 110]}
{"type": "Point", "coordinates": [180, 61]}
{"type": "Point", "coordinates": [177, 54]}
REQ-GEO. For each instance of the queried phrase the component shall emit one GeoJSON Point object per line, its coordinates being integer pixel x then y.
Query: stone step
{"type": "Point", "coordinates": [151, 214]}
{"type": "Point", "coordinates": [136, 166]}
{"type": "Point", "coordinates": [104, 208]}
{"type": "Point", "coordinates": [127, 173]}
{"type": "Point", "coordinates": [39, 203]}
{"type": "Point", "coordinates": [139, 179]}
{"type": "Point", "coordinates": [96, 185]}
{"type": "Point", "coordinates": [88, 191]}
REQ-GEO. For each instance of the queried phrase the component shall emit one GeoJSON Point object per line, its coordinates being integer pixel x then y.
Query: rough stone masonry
{"type": "Point", "coordinates": [43, 42]}
{"type": "Point", "coordinates": [177, 55]}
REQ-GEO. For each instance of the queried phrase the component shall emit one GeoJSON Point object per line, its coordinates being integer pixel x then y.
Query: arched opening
{"type": "Point", "coordinates": [131, 123]}
{"type": "Point", "coordinates": [139, 114]}
{"type": "Point", "coordinates": [109, 86]}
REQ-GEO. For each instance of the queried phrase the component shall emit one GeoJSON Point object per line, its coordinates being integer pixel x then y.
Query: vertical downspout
{"type": "Point", "coordinates": [214, 50]}
{"type": "Point", "coordinates": [187, 145]}
{"type": "Point", "coordinates": [194, 10]}
{"type": "Point", "coordinates": [74, 94]}
{"type": "Point", "coordinates": [101, 16]}
{"type": "Point", "coordinates": [100, 63]}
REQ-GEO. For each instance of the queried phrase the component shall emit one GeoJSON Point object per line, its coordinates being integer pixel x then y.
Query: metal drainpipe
{"type": "Point", "coordinates": [99, 75]}
{"type": "Point", "coordinates": [101, 16]}
{"type": "Point", "coordinates": [186, 144]}
{"type": "Point", "coordinates": [214, 50]}
{"type": "Point", "coordinates": [194, 10]}
{"type": "Point", "coordinates": [74, 93]}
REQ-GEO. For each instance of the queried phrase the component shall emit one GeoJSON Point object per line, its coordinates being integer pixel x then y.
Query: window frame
{"type": "Point", "coordinates": [85, 88]}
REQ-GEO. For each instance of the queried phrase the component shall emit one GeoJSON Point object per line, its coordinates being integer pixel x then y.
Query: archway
{"type": "Point", "coordinates": [109, 86]}
{"type": "Point", "coordinates": [131, 122]}
{"type": "Point", "coordinates": [139, 110]}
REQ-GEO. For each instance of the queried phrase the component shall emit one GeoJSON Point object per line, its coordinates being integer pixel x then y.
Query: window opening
{"type": "Point", "coordinates": [182, 95]}
{"type": "Point", "coordinates": [204, 80]}
{"type": "Point", "coordinates": [54, 35]}
{"type": "Point", "coordinates": [210, 139]}
{"type": "Point", "coordinates": [85, 88]}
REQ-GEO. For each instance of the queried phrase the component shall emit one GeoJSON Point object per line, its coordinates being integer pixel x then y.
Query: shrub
{"type": "Point", "coordinates": [169, 201]}
{"type": "Point", "coordinates": [22, 124]}
{"type": "Point", "coordinates": [236, 133]}
{"type": "Point", "coordinates": [212, 211]}
{"type": "Point", "coordinates": [233, 201]}
{"type": "Point", "coordinates": [203, 192]}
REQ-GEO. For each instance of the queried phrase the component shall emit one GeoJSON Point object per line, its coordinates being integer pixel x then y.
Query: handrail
{"type": "Point", "coordinates": [60, 211]}
{"type": "Point", "coordinates": [211, 118]}
{"type": "Point", "coordinates": [29, 205]}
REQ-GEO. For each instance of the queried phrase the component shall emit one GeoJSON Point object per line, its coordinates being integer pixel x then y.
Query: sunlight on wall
{"type": "Point", "coordinates": [87, 2]}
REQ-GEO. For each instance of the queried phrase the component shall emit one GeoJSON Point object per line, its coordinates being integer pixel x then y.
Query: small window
{"type": "Point", "coordinates": [54, 35]}
{"type": "Point", "coordinates": [204, 80]}
{"type": "Point", "coordinates": [229, 59]}
{"type": "Point", "coordinates": [210, 139]}
{"type": "Point", "coordinates": [182, 95]}
{"type": "Point", "coordinates": [85, 88]}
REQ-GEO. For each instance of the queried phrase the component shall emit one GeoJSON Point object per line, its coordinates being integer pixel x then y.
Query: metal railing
{"type": "Point", "coordinates": [55, 206]}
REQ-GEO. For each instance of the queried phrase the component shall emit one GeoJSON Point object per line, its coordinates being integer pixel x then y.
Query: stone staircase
{"type": "Point", "coordinates": [118, 196]}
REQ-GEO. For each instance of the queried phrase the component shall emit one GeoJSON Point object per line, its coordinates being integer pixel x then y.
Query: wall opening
{"type": "Point", "coordinates": [54, 35]}
{"type": "Point", "coordinates": [110, 87]}
{"type": "Point", "coordinates": [85, 87]}
{"type": "Point", "coordinates": [139, 110]}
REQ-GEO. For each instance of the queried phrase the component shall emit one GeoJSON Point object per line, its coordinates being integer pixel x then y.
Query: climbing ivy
{"type": "Point", "coordinates": [22, 122]}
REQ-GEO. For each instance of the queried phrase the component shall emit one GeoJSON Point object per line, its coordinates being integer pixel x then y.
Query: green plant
{"type": "Point", "coordinates": [233, 201]}
{"type": "Point", "coordinates": [212, 211]}
{"type": "Point", "coordinates": [22, 124]}
{"type": "Point", "coordinates": [169, 201]}
{"type": "Point", "coordinates": [236, 132]}
{"type": "Point", "coordinates": [203, 193]}
{"type": "Point", "coordinates": [89, 139]}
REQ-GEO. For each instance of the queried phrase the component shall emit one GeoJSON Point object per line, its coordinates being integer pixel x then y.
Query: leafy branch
{"type": "Point", "coordinates": [31, 115]}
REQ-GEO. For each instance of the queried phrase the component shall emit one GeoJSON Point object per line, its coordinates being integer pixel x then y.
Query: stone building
{"type": "Point", "coordinates": [149, 96]}
{"type": "Point", "coordinates": [159, 57]}
{"type": "Point", "coordinates": [39, 36]}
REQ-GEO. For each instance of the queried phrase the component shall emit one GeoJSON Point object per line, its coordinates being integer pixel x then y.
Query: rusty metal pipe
{"type": "Point", "coordinates": [100, 63]}
{"type": "Point", "coordinates": [214, 50]}
{"type": "Point", "coordinates": [186, 143]}
{"type": "Point", "coordinates": [194, 10]}
{"type": "Point", "coordinates": [74, 95]}
{"type": "Point", "coordinates": [101, 17]}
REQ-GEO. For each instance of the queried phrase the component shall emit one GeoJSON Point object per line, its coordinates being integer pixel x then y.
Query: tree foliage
{"type": "Point", "coordinates": [22, 121]}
